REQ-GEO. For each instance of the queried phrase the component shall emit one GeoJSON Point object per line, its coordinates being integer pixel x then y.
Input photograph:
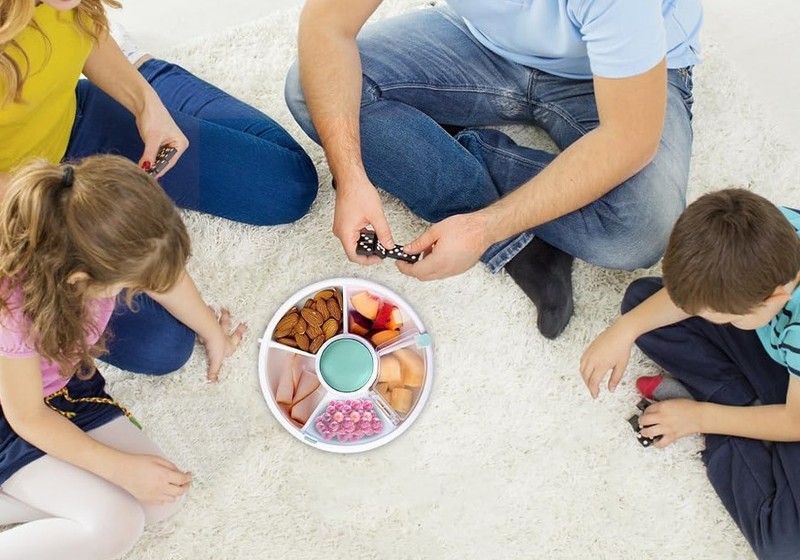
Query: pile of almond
{"type": "Point", "coordinates": [318, 320]}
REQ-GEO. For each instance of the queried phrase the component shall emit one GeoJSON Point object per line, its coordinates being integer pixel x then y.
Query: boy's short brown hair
{"type": "Point", "coordinates": [728, 252]}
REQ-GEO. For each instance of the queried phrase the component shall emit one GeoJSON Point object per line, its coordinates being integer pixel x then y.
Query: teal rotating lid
{"type": "Point", "coordinates": [346, 365]}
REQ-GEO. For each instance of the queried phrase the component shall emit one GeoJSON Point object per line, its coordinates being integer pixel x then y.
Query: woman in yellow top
{"type": "Point", "coordinates": [232, 160]}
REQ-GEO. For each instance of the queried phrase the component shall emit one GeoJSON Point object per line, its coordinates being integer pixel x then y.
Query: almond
{"type": "Point", "coordinates": [309, 303]}
{"type": "Point", "coordinates": [288, 342]}
{"type": "Point", "coordinates": [316, 344]}
{"type": "Point", "coordinates": [286, 324]}
{"type": "Point", "coordinates": [300, 326]}
{"type": "Point", "coordinates": [312, 316]}
{"type": "Point", "coordinates": [302, 341]}
{"type": "Point", "coordinates": [324, 294]}
{"type": "Point", "coordinates": [322, 309]}
{"type": "Point", "coordinates": [313, 332]}
{"type": "Point", "coordinates": [334, 310]}
{"type": "Point", "coordinates": [330, 328]}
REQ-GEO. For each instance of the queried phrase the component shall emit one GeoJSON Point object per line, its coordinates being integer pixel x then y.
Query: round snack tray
{"type": "Point", "coordinates": [345, 365]}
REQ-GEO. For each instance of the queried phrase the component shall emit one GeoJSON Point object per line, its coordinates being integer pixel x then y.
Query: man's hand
{"type": "Point", "coordinates": [451, 247]}
{"type": "Point", "coordinates": [358, 205]}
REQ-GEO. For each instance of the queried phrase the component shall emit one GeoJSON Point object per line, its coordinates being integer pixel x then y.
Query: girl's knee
{"type": "Point", "coordinates": [117, 526]}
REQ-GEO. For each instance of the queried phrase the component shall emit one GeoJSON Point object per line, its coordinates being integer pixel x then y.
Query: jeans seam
{"type": "Point", "coordinates": [565, 116]}
{"type": "Point", "coordinates": [461, 89]}
{"type": "Point", "coordinates": [509, 155]}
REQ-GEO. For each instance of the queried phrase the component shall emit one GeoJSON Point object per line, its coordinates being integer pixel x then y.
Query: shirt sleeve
{"type": "Point", "coordinates": [790, 346]}
{"type": "Point", "coordinates": [12, 337]}
{"type": "Point", "coordinates": [623, 37]}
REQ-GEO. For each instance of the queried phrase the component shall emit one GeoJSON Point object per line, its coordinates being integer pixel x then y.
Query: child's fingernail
{"type": "Point", "coordinates": [146, 165]}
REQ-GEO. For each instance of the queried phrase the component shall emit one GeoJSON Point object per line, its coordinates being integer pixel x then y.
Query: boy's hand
{"type": "Point", "coordinates": [222, 344]}
{"type": "Point", "coordinates": [672, 420]}
{"type": "Point", "coordinates": [609, 351]}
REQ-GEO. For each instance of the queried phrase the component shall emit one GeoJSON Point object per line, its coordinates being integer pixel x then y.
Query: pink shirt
{"type": "Point", "coordinates": [14, 345]}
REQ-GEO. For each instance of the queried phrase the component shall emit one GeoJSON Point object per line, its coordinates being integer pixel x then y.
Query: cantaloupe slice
{"type": "Point", "coordinates": [411, 365]}
{"type": "Point", "coordinates": [401, 400]}
{"type": "Point", "coordinates": [383, 390]}
{"type": "Point", "coordinates": [307, 385]}
{"type": "Point", "coordinates": [383, 336]}
{"type": "Point", "coordinates": [389, 372]}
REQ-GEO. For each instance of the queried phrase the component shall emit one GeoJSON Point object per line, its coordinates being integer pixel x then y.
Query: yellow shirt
{"type": "Point", "coordinates": [40, 124]}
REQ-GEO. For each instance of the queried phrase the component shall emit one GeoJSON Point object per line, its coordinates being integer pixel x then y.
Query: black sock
{"type": "Point", "coordinates": [545, 275]}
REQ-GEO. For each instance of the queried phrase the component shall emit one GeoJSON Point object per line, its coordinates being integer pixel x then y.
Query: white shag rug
{"type": "Point", "coordinates": [510, 459]}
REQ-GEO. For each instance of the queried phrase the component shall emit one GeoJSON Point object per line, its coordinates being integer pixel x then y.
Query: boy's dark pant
{"type": "Point", "coordinates": [759, 483]}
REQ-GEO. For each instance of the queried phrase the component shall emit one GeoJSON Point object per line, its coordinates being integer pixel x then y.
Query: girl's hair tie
{"type": "Point", "coordinates": [69, 176]}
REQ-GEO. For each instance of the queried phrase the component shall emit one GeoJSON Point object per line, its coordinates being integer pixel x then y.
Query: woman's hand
{"type": "Point", "coordinates": [151, 479]}
{"type": "Point", "coordinates": [157, 129]}
{"type": "Point", "coordinates": [222, 343]}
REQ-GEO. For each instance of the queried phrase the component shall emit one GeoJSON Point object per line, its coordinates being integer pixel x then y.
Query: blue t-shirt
{"type": "Point", "coordinates": [781, 336]}
{"type": "Point", "coordinates": [581, 38]}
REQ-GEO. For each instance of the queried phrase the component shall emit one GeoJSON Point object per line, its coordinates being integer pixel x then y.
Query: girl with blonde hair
{"type": "Point", "coordinates": [77, 474]}
{"type": "Point", "coordinates": [232, 160]}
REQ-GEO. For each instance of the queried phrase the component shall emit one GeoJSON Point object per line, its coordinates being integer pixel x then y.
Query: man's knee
{"type": "Point", "coordinates": [637, 240]}
{"type": "Point", "coordinates": [296, 101]}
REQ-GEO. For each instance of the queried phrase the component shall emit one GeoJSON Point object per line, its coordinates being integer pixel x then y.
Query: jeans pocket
{"type": "Point", "coordinates": [685, 83]}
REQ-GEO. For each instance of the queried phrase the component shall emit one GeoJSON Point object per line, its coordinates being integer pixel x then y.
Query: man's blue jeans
{"type": "Point", "coordinates": [240, 165]}
{"type": "Point", "coordinates": [424, 69]}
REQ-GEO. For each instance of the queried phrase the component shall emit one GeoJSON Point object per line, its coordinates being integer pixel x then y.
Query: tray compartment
{"type": "Point", "coordinates": [402, 374]}
{"type": "Point", "coordinates": [308, 322]}
{"type": "Point", "coordinates": [348, 422]}
{"type": "Point", "coordinates": [291, 379]}
{"type": "Point", "coordinates": [377, 317]}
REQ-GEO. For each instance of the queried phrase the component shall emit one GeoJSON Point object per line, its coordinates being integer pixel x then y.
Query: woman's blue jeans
{"type": "Point", "coordinates": [240, 165]}
{"type": "Point", "coordinates": [425, 69]}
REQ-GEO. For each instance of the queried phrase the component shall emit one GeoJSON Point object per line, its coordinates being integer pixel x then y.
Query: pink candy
{"type": "Point", "coordinates": [348, 421]}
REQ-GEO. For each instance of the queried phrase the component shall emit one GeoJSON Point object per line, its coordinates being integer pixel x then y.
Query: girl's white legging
{"type": "Point", "coordinates": [62, 509]}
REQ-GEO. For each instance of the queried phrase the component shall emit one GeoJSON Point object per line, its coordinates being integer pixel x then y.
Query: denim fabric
{"type": "Point", "coordinates": [758, 482]}
{"type": "Point", "coordinates": [147, 339]}
{"type": "Point", "coordinates": [425, 69]}
{"type": "Point", "coordinates": [240, 164]}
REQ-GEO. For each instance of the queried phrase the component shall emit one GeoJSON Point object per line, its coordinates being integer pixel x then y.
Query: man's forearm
{"type": "Point", "coordinates": [631, 113]}
{"type": "Point", "coordinates": [330, 74]}
{"type": "Point", "coordinates": [581, 174]}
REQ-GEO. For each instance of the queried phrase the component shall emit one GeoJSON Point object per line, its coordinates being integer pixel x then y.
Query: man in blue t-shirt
{"type": "Point", "coordinates": [397, 105]}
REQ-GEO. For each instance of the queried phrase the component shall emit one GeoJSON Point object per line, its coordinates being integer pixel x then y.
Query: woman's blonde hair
{"type": "Point", "coordinates": [16, 15]}
{"type": "Point", "coordinates": [103, 218]}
